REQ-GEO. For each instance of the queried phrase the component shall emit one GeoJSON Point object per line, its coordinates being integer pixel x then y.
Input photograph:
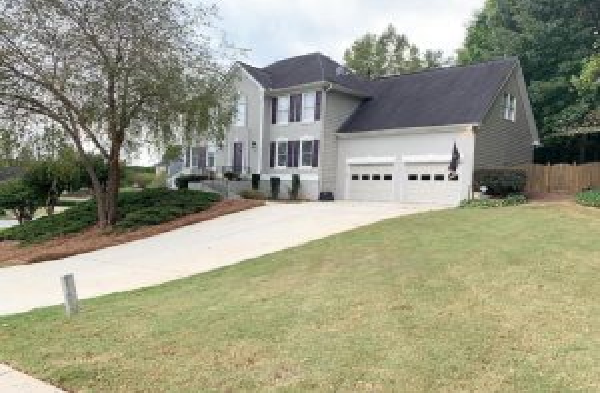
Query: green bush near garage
{"type": "Point", "coordinates": [590, 198]}
{"type": "Point", "coordinates": [136, 209]}
{"type": "Point", "coordinates": [500, 182]}
{"type": "Point", "coordinates": [511, 200]}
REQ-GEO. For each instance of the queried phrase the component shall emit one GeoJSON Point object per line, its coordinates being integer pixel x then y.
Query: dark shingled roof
{"type": "Point", "coordinates": [441, 96]}
{"type": "Point", "coordinates": [301, 70]}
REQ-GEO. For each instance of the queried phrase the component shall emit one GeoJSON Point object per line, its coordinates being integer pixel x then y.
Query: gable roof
{"type": "Point", "coordinates": [302, 70]}
{"type": "Point", "coordinates": [441, 96]}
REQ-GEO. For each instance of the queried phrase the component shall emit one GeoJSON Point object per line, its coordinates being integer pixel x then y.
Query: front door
{"type": "Point", "coordinates": [237, 157]}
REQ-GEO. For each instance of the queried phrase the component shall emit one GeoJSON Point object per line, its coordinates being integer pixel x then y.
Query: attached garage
{"type": "Point", "coordinates": [370, 182]}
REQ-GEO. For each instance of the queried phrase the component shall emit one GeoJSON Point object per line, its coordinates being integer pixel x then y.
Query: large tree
{"type": "Point", "coordinates": [553, 39]}
{"type": "Point", "coordinates": [111, 75]}
{"type": "Point", "coordinates": [389, 53]}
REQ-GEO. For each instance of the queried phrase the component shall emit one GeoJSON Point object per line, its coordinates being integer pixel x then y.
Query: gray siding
{"type": "Point", "coordinates": [337, 108]}
{"type": "Point", "coordinates": [500, 142]}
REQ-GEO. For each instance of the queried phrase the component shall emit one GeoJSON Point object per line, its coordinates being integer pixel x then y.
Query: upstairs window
{"type": "Point", "coordinates": [510, 107]}
{"type": "Point", "coordinates": [308, 107]}
{"type": "Point", "coordinates": [240, 111]}
{"type": "Point", "coordinates": [307, 153]}
{"type": "Point", "coordinates": [283, 109]}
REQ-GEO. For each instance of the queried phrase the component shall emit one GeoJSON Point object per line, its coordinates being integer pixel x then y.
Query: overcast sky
{"type": "Point", "coordinates": [276, 29]}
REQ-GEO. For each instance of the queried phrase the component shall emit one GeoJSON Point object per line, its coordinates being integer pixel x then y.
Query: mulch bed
{"type": "Point", "coordinates": [11, 253]}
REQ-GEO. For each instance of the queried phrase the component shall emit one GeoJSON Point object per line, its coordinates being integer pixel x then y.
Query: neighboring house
{"type": "Point", "coordinates": [387, 139]}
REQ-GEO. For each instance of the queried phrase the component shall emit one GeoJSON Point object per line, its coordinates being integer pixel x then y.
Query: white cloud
{"type": "Point", "coordinates": [275, 29]}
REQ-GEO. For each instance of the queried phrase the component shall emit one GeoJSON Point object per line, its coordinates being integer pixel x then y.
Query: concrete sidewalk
{"type": "Point", "coordinates": [186, 251]}
{"type": "Point", "coordinates": [12, 381]}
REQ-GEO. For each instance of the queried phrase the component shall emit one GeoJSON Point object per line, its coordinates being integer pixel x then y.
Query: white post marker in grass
{"type": "Point", "coordinates": [70, 294]}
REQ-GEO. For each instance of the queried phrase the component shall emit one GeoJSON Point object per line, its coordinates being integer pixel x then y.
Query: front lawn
{"type": "Point", "coordinates": [460, 300]}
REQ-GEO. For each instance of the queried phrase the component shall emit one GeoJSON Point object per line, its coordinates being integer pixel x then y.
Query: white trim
{"type": "Point", "coordinates": [311, 139]}
{"type": "Point", "coordinates": [427, 158]}
{"type": "Point", "coordinates": [314, 98]}
{"type": "Point", "coordinates": [409, 130]}
{"type": "Point", "coordinates": [288, 176]}
{"type": "Point", "coordinates": [277, 142]}
{"type": "Point", "coordinates": [371, 161]}
{"type": "Point", "coordinates": [280, 99]}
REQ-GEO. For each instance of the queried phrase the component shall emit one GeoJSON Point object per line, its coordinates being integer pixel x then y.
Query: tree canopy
{"type": "Point", "coordinates": [389, 53]}
{"type": "Point", "coordinates": [111, 75]}
{"type": "Point", "coordinates": [554, 39]}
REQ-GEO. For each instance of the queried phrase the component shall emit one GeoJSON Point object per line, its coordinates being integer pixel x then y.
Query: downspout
{"type": "Point", "coordinates": [326, 90]}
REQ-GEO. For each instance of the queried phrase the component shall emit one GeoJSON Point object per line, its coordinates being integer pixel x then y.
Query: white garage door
{"type": "Point", "coordinates": [370, 182]}
{"type": "Point", "coordinates": [431, 183]}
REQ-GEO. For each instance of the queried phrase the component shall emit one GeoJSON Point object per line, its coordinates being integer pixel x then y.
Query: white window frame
{"type": "Point", "coordinates": [210, 151]}
{"type": "Point", "coordinates": [283, 108]}
{"type": "Point", "coordinates": [510, 107]}
{"type": "Point", "coordinates": [309, 110]}
{"type": "Point", "coordinates": [241, 111]}
{"type": "Point", "coordinates": [277, 142]}
{"type": "Point", "coordinates": [312, 148]}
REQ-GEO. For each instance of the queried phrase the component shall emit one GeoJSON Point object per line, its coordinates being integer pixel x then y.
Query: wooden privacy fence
{"type": "Point", "coordinates": [563, 178]}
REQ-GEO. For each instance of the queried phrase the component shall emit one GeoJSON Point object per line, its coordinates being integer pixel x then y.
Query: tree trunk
{"type": "Point", "coordinates": [112, 188]}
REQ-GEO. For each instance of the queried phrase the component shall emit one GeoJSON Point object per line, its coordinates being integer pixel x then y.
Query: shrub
{"type": "Point", "coordinates": [253, 194]}
{"type": "Point", "coordinates": [136, 209]}
{"type": "Point", "coordinates": [17, 197]}
{"type": "Point", "coordinates": [500, 182]}
{"type": "Point", "coordinates": [255, 181]}
{"type": "Point", "coordinates": [142, 180]}
{"type": "Point", "coordinates": [275, 187]}
{"type": "Point", "coordinates": [589, 198]}
{"type": "Point", "coordinates": [295, 190]}
{"type": "Point", "coordinates": [159, 181]}
{"type": "Point", "coordinates": [232, 176]}
{"type": "Point", "coordinates": [182, 182]}
{"type": "Point", "coordinates": [510, 200]}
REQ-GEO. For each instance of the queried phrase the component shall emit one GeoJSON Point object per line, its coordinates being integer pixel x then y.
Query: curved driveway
{"type": "Point", "coordinates": [189, 250]}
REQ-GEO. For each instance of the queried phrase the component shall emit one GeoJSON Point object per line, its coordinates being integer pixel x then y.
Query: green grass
{"type": "Point", "coordinates": [499, 300]}
{"type": "Point", "coordinates": [136, 209]}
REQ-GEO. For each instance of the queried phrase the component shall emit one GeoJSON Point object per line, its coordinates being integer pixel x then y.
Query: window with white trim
{"type": "Point", "coordinates": [240, 111]}
{"type": "Point", "coordinates": [307, 149]}
{"type": "Point", "coordinates": [282, 153]}
{"type": "Point", "coordinates": [210, 159]}
{"type": "Point", "coordinates": [510, 107]}
{"type": "Point", "coordinates": [283, 109]}
{"type": "Point", "coordinates": [309, 101]}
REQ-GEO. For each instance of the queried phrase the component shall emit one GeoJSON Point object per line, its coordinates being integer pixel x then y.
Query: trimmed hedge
{"type": "Point", "coordinates": [253, 194]}
{"type": "Point", "coordinates": [511, 200]}
{"type": "Point", "coordinates": [589, 198]}
{"type": "Point", "coordinates": [136, 209]}
{"type": "Point", "coordinates": [500, 182]}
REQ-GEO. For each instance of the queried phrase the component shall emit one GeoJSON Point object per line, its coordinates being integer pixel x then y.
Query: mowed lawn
{"type": "Point", "coordinates": [499, 300]}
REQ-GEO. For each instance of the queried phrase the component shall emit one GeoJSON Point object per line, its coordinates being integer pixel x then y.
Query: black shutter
{"type": "Point", "coordinates": [274, 110]}
{"type": "Point", "coordinates": [315, 157]}
{"type": "Point", "coordinates": [188, 159]}
{"type": "Point", "coordinates": [272, 155]}
{"type": "Point", "coordinates": [290, 154]}
{"type": "Point", "coordinates": [295, 153]}
{"type": "Point", "coordinates": [318, 99]}
{"type": "Point", "coordinates": [202, 157]}
{"type": "Point", "coordinates": [291, 116]}
{"type": "Point", "coordinates": [299, 108]}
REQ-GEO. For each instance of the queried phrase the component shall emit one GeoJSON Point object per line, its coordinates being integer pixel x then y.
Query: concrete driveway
{"type": "Point", "coordinates": [190, 250]}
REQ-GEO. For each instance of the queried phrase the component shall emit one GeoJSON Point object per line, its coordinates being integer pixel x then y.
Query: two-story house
{"type": "Point", "coordinates": [384, 139]}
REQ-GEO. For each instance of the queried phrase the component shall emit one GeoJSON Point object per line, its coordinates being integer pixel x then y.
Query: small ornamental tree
{"type": "Point", "coordinates": [21, 200]}
{"type": "Point", "coordinates": [110, 75]}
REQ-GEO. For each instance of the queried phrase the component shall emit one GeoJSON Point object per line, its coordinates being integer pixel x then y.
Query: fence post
{"type": "Point", "coordinates": [70, 294]}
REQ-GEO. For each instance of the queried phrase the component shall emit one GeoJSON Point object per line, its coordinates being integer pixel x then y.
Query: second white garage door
{"type": "Point", "coordinates": [370, 182]}
{"type": "Point", "coordinates": [431, 183]}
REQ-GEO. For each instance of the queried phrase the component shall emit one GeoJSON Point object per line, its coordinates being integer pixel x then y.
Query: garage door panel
{"type": "Point", "coordinates": [431, 184]}
{"type": "Point", "coordinates": [370, 182]}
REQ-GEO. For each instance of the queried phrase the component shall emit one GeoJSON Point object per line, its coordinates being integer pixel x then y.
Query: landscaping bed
{"type": "Point", "coordinates": [460, 300]}
{"type": "Point", "coordinates": [144, 214]}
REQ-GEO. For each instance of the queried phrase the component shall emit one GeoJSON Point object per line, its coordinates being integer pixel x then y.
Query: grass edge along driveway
{"type": "Point", "coordinates": [457, 300]}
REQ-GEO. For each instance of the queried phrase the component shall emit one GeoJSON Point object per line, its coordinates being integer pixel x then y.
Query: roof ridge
{"type": "Point", "coordinates": [454, 67]}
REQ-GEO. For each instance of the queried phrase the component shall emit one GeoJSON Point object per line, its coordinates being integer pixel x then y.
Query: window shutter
{"type": "Point", "coordinates": [188, 158]}
{"type": "Point", "coordinates": [274, 110]}
{"type": "Point", "coordinates": [299, 107]}
{"type": "Point", "coordinates": [318, 98]}
{"type": "Point", "coordinates": [272, 155]}
{"type": "Point", "coordinates": [292, 108]}
{"type": "Point", "coordinates": [290, 154]}
{"type": "Point", "coordinates": [202, 157]}
{"type": "Point", "coordinates": [295, 153]}
{"type": "Point", "coordinates": [315, 157]}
